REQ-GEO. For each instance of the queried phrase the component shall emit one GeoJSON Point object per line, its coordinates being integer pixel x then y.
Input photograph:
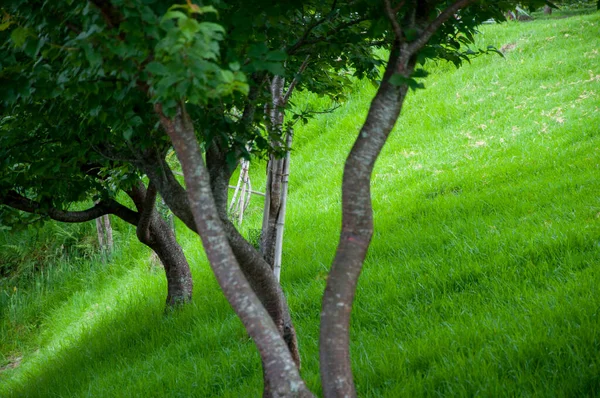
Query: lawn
{"type": "Point", "coordinates": [482, 277]}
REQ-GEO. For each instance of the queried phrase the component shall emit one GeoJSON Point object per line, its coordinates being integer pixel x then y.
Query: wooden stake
{"type": "Point", "coordinates": [281, 217]}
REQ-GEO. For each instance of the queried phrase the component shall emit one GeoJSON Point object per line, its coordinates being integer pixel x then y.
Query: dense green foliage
{"type": "Point", "coordinates": [482, 277]}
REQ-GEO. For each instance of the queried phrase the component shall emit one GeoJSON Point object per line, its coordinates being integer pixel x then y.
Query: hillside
{"type": "Point", "coordinates": [482, 278]}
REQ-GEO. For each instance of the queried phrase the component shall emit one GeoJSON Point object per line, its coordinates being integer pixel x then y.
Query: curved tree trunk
{"type": "Point", "coordinates": [258, 273]}
{"type": "Point", "coordinates": [281, 373]}
{"type": "Point", "coordinates": [177, 270]}
{"type": "Point", "coordinates": [155, 233]}
{"type": "Point", "coordinates": [357, 212]}
{"type": "Point", "coordinates": [357, 229]}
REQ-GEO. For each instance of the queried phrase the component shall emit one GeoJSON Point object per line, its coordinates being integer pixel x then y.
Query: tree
{"type": "Point", "coordinates": [215, 77]}
{"type": "Point", "coordinates": [42, 175]}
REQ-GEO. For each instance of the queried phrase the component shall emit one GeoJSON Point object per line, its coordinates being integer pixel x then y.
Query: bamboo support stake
{"type": "Point", "coordinates": [281, 217]}
{"type": "Point", "coordinates": [252, 192]}
{"type": "Point", "coordinates": [235, 193]}
{"type": "Point", "coordinates": [248, 194]}
{"type": "Point", "coordinates": [242, 200]}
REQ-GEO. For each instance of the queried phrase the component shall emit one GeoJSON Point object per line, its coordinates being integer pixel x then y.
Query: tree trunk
{"type": "Point", "coordinates": [155, 233]}
{"type": "Point", "coordinates": [258, 273]}
{"type": "Point", "coordinates": [547, 10]}
{"type": "Point", "coordinates": [355, 237]}
{"type": "Point", "coordinates": [105, 237]}
{"type": "Point", "coordinates": [277, 175]}
{"type": "Point", "coordinates": [109, 233]}
{"type": "Point", "coordinates": [100, 233]}
{"type": "Point", "coordinates": [281, 373]}
{"type": "Point", "coordinates": [275, 172]}
{"type": "Point", "coordinates": [177, 269]}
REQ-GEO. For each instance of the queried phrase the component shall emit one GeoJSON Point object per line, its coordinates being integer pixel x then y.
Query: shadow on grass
{"type": "Point", "coordinates": [139, 350]}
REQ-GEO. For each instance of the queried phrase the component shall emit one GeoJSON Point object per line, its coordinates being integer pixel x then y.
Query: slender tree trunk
{"type": "Point", "coordinates": [258, 273]}
{"type": "Point", "coordinates": [105, 239]}
{"type": "Point", "coordinates": [355, 237]}
{"type": "Point", "coordinates": [100, 233]}
{"type": "Point", "coordinates": [245, 165]}
{"type": "Point", "coordinates": [264, 232]}
{"type": "Point", "coordinates": [281, 373]}
{"type": "Point", "coordinates": [271, 239]}
{"type": "Point", "coordinates": [109, 233]}
{"type": "Point", "coordinates": [357, 212]}
{"type": "Point", "coordinates": [275, 172]}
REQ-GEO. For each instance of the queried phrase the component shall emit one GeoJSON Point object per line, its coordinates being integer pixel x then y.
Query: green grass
{"type": "Point", "coordinates": [482, 278]}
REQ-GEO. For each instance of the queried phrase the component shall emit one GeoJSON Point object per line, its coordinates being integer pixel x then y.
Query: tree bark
{"type": "Point", "coordinates": [274, 172]}
{"type": "Point", "coordinates": [109, 232]}
{"type": "Point", "coordinates": [356, 233]}
{"type": "Point", "coordinates": [155, 233]}
{"type": "Point", "coordinates": [100, 233]}
{"type": "Point", "coordinates": [357, 212]}
{"type": "Point", "coordinates": [258, 273]}
{"type": "Point", "coordinates": [277, 175]}
{"type": "Point", "coordinates": [281, 373]}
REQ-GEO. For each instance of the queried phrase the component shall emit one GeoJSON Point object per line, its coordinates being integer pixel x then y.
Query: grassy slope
{"type": "Point", "coordinates": [482, 277]}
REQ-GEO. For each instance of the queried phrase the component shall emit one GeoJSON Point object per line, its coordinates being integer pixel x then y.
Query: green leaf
{"type": "Point", "coordinates": [258, 50]}
{"type": "Point", "coordinates": [398, 80]}
{"type": "Point", "coordinates": [156, 68]}
{"type": "Point", "coordinates": [205, 9]}
{"type": "Point", "coordinates": [19, 35]}
{"type": "Point", "coordinates": [420, 73]}
{"type": "Point", "coordinates": [174, 15]}
{"type": "Point", "coordinates": [277, 55]}
{"type": "Point", "coordinates": [276, 68]}
{"type": "Point", "coordinates": [93, 57]}
{"type": "Point", "coordinates": [5, 25]}
{"type": "Point", "coordinates": [127, 133]}
{"type": "Point", "coordinates": [189, 27]}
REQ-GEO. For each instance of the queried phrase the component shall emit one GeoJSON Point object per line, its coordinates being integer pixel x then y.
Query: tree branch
{"type": "Point", "coordinates": [294, 82]}
{"type": "Point", "coordinates": [295, 47]}
{"type": "Point", "coordinates": [20, 202]}
{"type": "Point", "coordinates": [147, 212]}
{"type": "Point", "coordinates": [391, 14]}
{"type": "Point", "coordinates": [161, 175]}
{"type": "Point", "coordinates": [430, 30]}
{"type": "Point", "coordinates": [310, 28]}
